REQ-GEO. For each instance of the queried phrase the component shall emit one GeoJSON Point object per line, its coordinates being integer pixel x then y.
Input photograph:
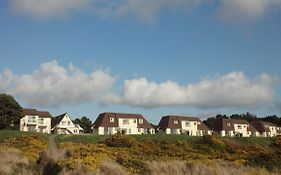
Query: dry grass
{"type": "Point", "coordinates": [110, 167]}
{"type": "Point", "coordinates": [13, 162]}
{"type": "Point", "coordinates": [216, 168]}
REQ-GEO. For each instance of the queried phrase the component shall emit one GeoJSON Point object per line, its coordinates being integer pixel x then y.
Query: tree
{"type": "Point", "coordinates": [85, 123]}
{"type": "Point", "coordinates": [272, 119]}
{"type": "Point", "coordinates": [10, 112]}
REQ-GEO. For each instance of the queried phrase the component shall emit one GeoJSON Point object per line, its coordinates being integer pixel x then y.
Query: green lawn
{"type": "Point", "coordinates": [93, 138]}
{"type": "Point", "coordinates": [251, 140]}
{"type": "Point", "coordinates": [5, 134]}
{"type": "Point", "coordinates": [87, 138]}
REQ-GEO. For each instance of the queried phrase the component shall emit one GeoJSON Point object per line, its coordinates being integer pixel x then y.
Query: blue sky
{"type": "Point", "coordinates": [151, 57]}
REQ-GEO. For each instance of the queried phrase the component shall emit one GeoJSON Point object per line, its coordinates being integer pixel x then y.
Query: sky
{"type": "Point", "coordinates": [153, 57]}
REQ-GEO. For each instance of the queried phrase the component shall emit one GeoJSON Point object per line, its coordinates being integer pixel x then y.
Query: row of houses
{"type": "Point", "coordinates": [114, 123]}
{"type": "Point", "coordinates": [42, 121]}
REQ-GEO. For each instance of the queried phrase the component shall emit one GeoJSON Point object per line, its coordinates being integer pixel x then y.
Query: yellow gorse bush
{"type": "Point", "coordinates": [29, 145]}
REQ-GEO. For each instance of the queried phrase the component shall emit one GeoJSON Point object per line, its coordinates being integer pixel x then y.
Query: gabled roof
{"type": "Point", "coordinates": [44, 114]}
{"type": "Point", "coordinates": [227, 124]}
{"type": "Point", "coordinates": [168, 122]}
{"type": "Point", "coordinates": [56, 120]}
{"type": "Point", "coordinates": [261, 125]}
{"type": "Point", "coordinates": [104, 120]}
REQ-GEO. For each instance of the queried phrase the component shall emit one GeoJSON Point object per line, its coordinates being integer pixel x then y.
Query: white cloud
{"type": "Point", "coordinates": [53, 85]}
{"type": "Point", "coordinates": [231, 90]}
{"type": "Point", "coordinates": [246, 10]}
{"type": "Point", "coordinates": [144, 10]}
{"type": "Point", "coordinates": [47, 8]}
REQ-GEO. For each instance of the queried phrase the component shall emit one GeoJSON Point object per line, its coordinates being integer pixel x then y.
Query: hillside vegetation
{"type": "Point", "coordinates": [138, 154]}
{"type": "Point", "coordinates": [28, 154]}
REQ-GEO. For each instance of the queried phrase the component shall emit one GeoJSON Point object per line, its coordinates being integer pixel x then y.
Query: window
{"type": "Point", "coordinates": [141, 121]}
{"type": "Point", "coordinates": [139, 130]}
{"type": "Point", "coordinates": [194, 123]}
{"type": "Point", "coordinates": [239, 127]}
{"type": "Point", "coordinates": [63, 123]}
{"type": "Point", "coordinates": [31, 119]}
{"type": "Point", "coordinates": [187, 124]}
{"type": "Point", "coordinates": [176, 121]}
{"type": "Point", "coordinates": [199, 123]}
{"type": "Point", "coordinates": [41, 121]}
{"type": "Point", "coordinates": [135, 121]}
{"type": "Point", "coordinates": [68, 123]}
{"type": "Point", "coordinates": [125, 121]}
{"type": "Point", "coordinates": [111, 119]}
{"type": "Point", "coordinates": [130, 131]}
{"type": "Point", "coordinates": [228, 124]}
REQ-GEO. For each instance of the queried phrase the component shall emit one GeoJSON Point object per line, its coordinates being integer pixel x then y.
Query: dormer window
{"type": "Point", "coordinates": [140, 121]}
{"type": "Point", "coordinates": [176, 121]}
{"type": "Point", "coordinates": [111, 119]}
{"type": "Point", "coordinates": [228, 124]}
{"type": "Point", "coordinates": [199, 123]}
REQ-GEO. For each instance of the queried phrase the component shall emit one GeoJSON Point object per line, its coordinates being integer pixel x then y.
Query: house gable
{"type": "Point", "coordinates": [116, 120]}
{"type": "Point", "coordinates": [181, 122]}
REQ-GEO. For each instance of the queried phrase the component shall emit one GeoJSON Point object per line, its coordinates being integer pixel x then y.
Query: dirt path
{"type": "Point", "coordinates": [52, 143]}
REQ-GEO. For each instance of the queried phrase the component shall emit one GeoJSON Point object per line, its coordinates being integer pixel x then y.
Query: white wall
{"type": "Point", "coordinates": [26, 123]}
{"type": "Point", "coordinates": [242, 129]}
{"type": "Point", "coordinates": [65, 125]}
{"type": "Point", "coordinates": [190, 127]}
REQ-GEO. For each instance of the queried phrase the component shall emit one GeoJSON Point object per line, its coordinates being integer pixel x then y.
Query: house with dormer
{"type": "Point", "coordinates": [192, 126]}
{"type": "Point", "coordinates": [63, 124]}
{"type": "Point", "coordinates": [36, 121]}
{"type": "Point", "coordinates": [114, 123]}
{"type": "Point", "coordinates": [233, 127]}
{"type": "Point", "coordinates": [266, 129]}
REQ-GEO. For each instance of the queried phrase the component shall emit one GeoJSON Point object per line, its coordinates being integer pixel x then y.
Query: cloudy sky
{"type": "Point", "coordinates": [154, 57]}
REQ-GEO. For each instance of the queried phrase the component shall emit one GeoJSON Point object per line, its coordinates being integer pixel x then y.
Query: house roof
{"type": "Point", "coordinates": [261, 126]}
{"type": "Point", "coordinates": [104, 120]}
{"type": "Point", "coordinates": [252, 128]}
{"type": "Point", "coordinates": [227, 124]}
{"type": "Point", "coordinates": [168, 122]}
{"type": "Point", "coordinates": [56, 120]}
{"type": "Point", "coordinates": [44, 114]}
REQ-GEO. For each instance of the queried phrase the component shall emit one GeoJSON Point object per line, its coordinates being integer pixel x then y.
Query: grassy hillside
{"type": "Point", "coordinates": [27, 153]}
{"type": "Point", "coordinates": [5, 134]}
{"type": "Point", "coordinates": [134, 152]}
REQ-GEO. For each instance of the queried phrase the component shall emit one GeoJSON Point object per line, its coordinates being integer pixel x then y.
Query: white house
{"type": "Point", "coordinates": [113, 123]}
{"type": "Point", "coordinates": [266, 129]}
{"type": "Point", "coordinates": [62, 124]}
{"type": "Point", "coordinates": [36, 121]}
{"type": "Point", "coordinates": [233, 127]}
{"type": "Point", "coordinates": [192, 126]}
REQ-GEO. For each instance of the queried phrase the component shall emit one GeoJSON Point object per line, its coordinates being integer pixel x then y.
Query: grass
{"type": "Point", "coordinates": [6, 134]}
{"type": "Point", "coordinates": [80, 138]}
{"type": "Point", "coordinates": [251, 140]}
{"type": "Point", "coordinates": [92, 138]}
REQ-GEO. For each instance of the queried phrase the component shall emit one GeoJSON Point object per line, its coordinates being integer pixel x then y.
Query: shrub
{"type": "Point", "coordinates": [119, 141]}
